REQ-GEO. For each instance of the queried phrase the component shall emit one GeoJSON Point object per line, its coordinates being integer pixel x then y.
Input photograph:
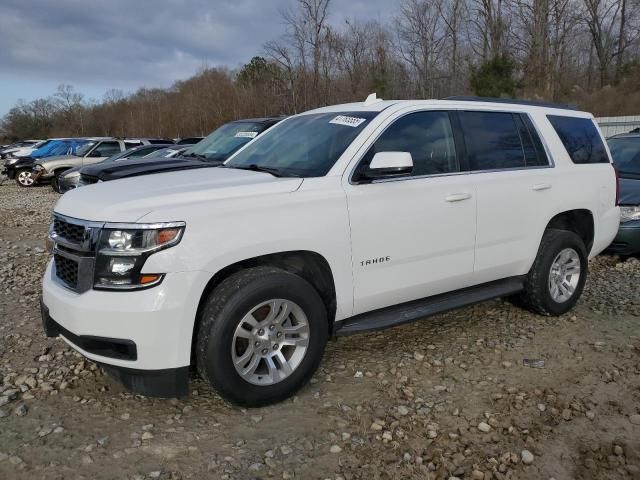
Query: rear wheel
{"type": "Point", "coordinates": [262, 335]}
{"type": "Point", "coordinates": [556, 279]}
{"type": "Point", "coordinates": [24, 177]}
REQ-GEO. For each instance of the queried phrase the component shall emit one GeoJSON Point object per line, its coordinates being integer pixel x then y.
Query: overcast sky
{"type": "Point", "coordinates": [100, 44]}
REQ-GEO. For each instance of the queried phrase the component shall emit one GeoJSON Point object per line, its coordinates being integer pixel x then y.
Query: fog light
{"type": "Point", "coordinates": [121, 266]}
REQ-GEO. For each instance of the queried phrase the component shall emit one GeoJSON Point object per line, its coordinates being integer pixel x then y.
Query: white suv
{"type": "Point", "coordinates": [340, 220]}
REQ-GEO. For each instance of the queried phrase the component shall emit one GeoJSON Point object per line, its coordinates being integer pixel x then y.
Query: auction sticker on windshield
{"type": "Point", "coordinates": [246, 134]}
{"type": "Point", "coordinates": [348, 121]}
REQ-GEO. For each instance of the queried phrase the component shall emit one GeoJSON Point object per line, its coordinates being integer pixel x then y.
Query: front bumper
{"type": "Point", "coordinates": [142, 337]}
{"type": "Point", "coordinates": [627, 241]}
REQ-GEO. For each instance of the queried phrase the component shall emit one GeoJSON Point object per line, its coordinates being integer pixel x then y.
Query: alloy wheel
{"type": "Point", "coordinates": [564, 275]}
{"type": "Point", "coordinates": [270, 342]}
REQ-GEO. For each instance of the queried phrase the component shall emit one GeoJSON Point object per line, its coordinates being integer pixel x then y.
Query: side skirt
{"type": "Point", "coordinates": [408, 312]}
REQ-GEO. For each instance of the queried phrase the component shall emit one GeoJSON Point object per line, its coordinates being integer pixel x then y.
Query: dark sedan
{"type": "Point", "coordinates": [625, 150]}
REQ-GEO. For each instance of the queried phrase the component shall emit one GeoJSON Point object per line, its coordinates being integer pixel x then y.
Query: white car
{"type": "Point", "coordinates": [339, 220]}
{"type": "Point", "coordinates": [21, 149]}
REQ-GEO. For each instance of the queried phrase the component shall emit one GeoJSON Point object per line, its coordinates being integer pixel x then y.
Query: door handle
{"type": "Point", "coordinates": [542, 186]}
{"type": "Point", "coordinates": [457, 197]}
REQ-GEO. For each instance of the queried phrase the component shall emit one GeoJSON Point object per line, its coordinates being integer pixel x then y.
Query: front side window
{"type": "Point", "coordinates": [492, 140]}
{"type": "Point", "coordinates": [303, 146]}
{"type": "Point", "coordinates": [626, 154]}
{"type": "Point", "coordinates": [84, 149]}
{"type": "Point", "coordinates": [581, 139]}
{"type": "Point", "coordinates": [106, 149]}
{"type": "Point", "coordinates": [427, 136]}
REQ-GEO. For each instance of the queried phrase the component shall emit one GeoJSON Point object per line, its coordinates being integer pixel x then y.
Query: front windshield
{"type": "Point", "coordinates": [163, 152]}
{"type": "Point", "coordinates": [224, 141]}
{"type": "Point", "coordinates": [626, 154]}
{"type": "Point", "coordinates": [303, 146]}
{"type": "Point", "coordinates": [83, 150]}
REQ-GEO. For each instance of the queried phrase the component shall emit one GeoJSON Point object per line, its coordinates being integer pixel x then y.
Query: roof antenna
{"type": "Point", "coordinates": [371, 99]}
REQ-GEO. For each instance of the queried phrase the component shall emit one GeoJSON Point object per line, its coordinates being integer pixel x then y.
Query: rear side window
{"type": "Point", "coordinates": [492, 140]}
{"type": "Point", "coordinates": [581, 139]}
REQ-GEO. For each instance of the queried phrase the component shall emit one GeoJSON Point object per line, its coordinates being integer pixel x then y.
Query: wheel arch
{"type": "Point", "coordinates": [311, 266]}
{"type": "Point", "coordinates": [579, 221]}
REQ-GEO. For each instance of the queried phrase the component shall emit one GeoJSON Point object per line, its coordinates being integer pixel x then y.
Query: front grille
{"type": "Point", "coordinates": [69, 231]}
{"type": "Point", "coordinates": [66, 270]}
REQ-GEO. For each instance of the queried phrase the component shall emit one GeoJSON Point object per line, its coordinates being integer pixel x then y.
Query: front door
{"type": "Point", "coordinates": [412, 236]}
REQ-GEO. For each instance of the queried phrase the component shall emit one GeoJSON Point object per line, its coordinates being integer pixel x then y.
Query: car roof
{"type": "Point", "coordinates": [374, 104]}
{"type": "Point", "coordinates": [631, 134]}
{"type": "Point", "coordinates": [259, 120]}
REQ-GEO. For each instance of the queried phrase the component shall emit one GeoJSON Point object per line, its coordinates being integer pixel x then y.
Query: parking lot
{"type": "Point", "coordinates": [450, 396]}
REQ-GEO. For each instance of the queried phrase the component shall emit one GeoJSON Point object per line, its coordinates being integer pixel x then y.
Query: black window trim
{"type": "Point", "coordinates": [461, 149]}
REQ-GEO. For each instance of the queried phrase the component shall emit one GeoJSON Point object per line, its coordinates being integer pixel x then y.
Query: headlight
{"type": "Point", "coordinates": [123, 250]}
{"type": "Point", "coordinates": [11, 161]}
{"type": "Point", "coordinates": [629, 213]}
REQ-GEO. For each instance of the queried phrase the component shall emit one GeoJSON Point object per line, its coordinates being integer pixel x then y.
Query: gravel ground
{"type": "Point", "coordinates": [449, 397]}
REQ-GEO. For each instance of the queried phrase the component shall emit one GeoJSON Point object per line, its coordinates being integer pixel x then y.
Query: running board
{"type": "Point", "coordinates": [417, 309]}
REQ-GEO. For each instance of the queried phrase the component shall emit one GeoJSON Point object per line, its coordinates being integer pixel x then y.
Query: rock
{"type": "Point", "coordinates": [418, 356]}
{"type": "Point", "coordinates": [527, 457]}
{"type": "Point", "coordinates": [403, 410]}
{"type": "Point", "coordinates": [484, 427]}
{"type": "Point", "coordinates": [4, 399]}
{"type": "Point", "coordinates": [286, 450]}
{"type": "Point", "coordinates": [376, 427]}
{"type": "Point", "coordinates": [477, 475]}
{"type": "Point", "coordinates": [21, 410]}
{"type": "Point", "coordinates": [147, 436]}
{"type": "Point", "coordinates": [506, 364]}
{"type": "Point", "coordinates": [618, 450]}
{"type": "Point", "coordinates": [566, 414]}
{"type": "Point", "coordinates": [256, 418]}
{"type": "Point", "coordinates": [4, 413]}
{"type": "Point", "coordinates": [335, 449]}
{"type": "Point", "coordinates": [635, 419]}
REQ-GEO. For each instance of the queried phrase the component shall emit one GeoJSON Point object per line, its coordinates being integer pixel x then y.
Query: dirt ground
{"type": "Point", "coordinates": [447, 397]}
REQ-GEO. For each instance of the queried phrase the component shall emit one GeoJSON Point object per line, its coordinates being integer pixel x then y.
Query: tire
{"type": "Point", "coordinates": [228, 317]}
{"type": "Point", "coordinates": [541, 294]}
{"type": "Point", "coordinates": [24, 177]}
{"type": "Point", "coordinates": [55, 183]}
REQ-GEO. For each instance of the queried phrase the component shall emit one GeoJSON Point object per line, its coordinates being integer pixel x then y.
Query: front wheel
{"type": "Point", "coordinates": [262, 335]}
{"type": "Point", "coordinates": [24, 177]}
{"type": "Point", "coordinates": [556, 279]}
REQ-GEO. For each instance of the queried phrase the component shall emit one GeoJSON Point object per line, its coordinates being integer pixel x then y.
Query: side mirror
{"type": "Point", "coordinates": [385, 164]}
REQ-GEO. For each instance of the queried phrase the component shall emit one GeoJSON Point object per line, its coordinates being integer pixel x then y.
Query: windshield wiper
{"type": "Point", "coordinates": [258, 168]}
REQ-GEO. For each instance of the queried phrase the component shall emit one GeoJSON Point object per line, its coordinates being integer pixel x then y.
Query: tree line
{"type": "Point", "coordinates": [583, 52]}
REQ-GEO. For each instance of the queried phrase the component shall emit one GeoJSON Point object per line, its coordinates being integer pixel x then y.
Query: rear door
{"type": "Point", "coordinates": [515, 189]}
{"type": "Point", "coordinates": [412, 236]}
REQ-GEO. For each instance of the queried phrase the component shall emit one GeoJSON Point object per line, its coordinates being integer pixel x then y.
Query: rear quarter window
{"type": "Point", "coordinates": [580, 138]}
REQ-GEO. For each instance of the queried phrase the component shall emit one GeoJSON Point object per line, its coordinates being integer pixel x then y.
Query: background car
{"type": "Point", "coordinates": [69, 179]}
{"type": "Point", "coordinates": [212, 151]}
{"type": "Point", "coordinates": [20, 169]}
{"type": "Point", "coordinates": [20, 149]}
{"type": "Point", "coordinates": [625, 150]}
{"type": "Point", "coordinates": [96, 150]}
{"type": "Point", "coordinates": [187, 140]}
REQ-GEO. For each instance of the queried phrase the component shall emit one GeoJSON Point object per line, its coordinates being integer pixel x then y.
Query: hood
{"type": "Point", "coordinates": [629, 191]}
{"type": "Point", "coordinates": [132, 168]}
{"type": "Point", "coordinates": [130, 199]}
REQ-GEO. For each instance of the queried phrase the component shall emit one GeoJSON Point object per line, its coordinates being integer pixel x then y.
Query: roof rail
{"type": "Point", "coordinates": [513, 101]}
